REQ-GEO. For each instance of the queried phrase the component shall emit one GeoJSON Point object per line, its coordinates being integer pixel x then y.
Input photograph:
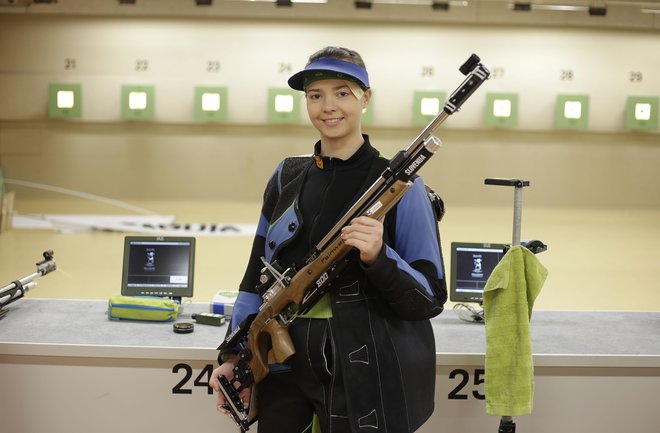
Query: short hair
{"type": "Point", "coordinates": [338, 53]}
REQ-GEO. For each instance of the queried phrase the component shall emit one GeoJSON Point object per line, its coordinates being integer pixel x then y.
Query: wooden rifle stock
{"type": "Point", "coordinates": [268, 336]}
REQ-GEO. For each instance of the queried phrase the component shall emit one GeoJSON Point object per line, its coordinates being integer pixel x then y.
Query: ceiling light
{"type": "Point", "coordinates": [282, 2]}
{"type": "Point", "coordinates": [440, 6]}
{"type": "Point", "coordinates": [525, 7]}
{"type": "Point", "coordinates": [597, 11]}
{"type": "Point", "coordinates": [564, 8]}
{"type": "Point", "coordinates": [363, 4]}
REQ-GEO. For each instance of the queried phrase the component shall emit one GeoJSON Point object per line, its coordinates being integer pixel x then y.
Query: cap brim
{"type": "Point", "coordinates": [296, 81]}
{"type": "Point", "coordinates": [339, 66]}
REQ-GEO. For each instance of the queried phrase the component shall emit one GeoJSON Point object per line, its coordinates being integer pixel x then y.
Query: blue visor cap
{"type": "Point", "coordinates": [344, 71]}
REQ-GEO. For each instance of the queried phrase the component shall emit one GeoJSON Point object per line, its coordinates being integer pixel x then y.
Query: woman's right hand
{"type": "Point", "coordinates": [226, 370]}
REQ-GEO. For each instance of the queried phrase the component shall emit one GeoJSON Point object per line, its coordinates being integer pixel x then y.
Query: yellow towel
{"type": "Point", "coordinates": [508, 300]}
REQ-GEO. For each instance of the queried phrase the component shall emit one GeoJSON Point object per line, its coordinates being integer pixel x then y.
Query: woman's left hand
{"type": "Point", "coordinates": [365, 234]}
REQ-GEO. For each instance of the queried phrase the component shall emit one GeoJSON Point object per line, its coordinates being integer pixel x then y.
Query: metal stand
{"type": "Point", "coordinates": [16, 289]}
{"type": "Point", "coordinates": [535, 246]}
{"type": "Point", "coordinates": [507, 425]}
{"type": "Point", "coordinates": [518, 185]}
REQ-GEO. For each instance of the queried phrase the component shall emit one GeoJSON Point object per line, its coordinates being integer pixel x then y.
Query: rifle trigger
{"type": "Point", "coordinates": [286, 320]}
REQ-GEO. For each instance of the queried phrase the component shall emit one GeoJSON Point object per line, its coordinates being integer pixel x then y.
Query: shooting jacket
{"type": "Point", "coordinates": [383, 339]}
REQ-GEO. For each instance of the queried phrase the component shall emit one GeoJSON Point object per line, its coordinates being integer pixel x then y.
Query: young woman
{"type": "Point", "coordinates": [365, 353]}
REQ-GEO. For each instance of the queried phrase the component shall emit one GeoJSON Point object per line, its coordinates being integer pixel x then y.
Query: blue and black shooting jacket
{"type": "Point", "coordinates": [380, 314]}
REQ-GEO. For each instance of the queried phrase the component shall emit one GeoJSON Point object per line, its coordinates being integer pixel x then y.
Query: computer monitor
{"type": "Point", "coordinates": [471, 265]}
{"type": "Point", "coordinates": [158, 266]}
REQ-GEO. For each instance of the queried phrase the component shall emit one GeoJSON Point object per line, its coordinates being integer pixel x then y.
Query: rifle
{"type": "Point", "coordinates": [16, 289]}
{"type": "Point", "coordinates": [263, 336]}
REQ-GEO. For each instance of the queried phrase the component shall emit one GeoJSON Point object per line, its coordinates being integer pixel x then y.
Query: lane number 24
{"type": "Point", "coordinates": [201, 380]}
{"type": "Point", "coordinates": [460, 392]}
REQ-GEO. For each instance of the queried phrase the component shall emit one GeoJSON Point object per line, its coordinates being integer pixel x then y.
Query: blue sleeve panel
{"type": "Point", "coordinates": [408, 271]}
{"type": "Point", "coordinates": [415, 223]}
{"type": "Point", "coordinates": [246, 304]}
{"type": "Point", "coordinates": [262, 227]}
{"type": "Point", "coordinates": [405, 267]}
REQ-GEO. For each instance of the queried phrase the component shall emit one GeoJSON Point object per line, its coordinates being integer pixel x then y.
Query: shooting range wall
{"type": "Point", "coordinates": [594, 196]}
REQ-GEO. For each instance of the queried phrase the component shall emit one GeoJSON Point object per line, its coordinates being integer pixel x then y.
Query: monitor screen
{"type": "Point", "coordinates": [471, 265]}
{"type": "Point", "coordinates": [158, 266]}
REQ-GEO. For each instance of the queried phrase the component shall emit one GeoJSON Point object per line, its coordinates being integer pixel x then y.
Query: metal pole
{"type": "Point", "coordinates": [517, 214]}
{"type": "Point", "coordinates": [518, 185]}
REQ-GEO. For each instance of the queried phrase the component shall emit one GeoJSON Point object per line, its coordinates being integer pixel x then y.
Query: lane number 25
{"type": "Point", "coordinates": [463, 376]}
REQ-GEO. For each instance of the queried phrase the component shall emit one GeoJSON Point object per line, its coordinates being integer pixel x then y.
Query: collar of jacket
{"type": "Point", "coordinates": [365, 152]}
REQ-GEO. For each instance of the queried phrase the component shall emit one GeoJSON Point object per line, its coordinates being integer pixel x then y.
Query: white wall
{"type": "Point", "coordinates": [252, 54]}
{"type": "Point", "coordinates": [594, 195]}
{"type": "Point", "coordinates": [604, 166]}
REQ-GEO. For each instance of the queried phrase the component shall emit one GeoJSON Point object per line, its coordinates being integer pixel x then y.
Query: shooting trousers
{"type": "Point", "coordinates": [289, 399]}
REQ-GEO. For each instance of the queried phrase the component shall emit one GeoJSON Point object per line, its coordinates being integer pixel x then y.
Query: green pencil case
{"type": "Point", "coordinates": [145, 308]}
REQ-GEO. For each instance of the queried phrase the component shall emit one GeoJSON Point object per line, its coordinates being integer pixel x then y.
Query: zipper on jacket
{"type": "Point", "coordinates": [324, 195]}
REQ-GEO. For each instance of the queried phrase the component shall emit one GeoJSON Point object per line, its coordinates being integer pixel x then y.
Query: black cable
{"type": "Point", "coordinates": [472, 315]}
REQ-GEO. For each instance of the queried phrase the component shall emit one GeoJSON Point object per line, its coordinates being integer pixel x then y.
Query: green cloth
{"type": "Point", "coordinates": [321, 310]}
{"type": "Point", "coordinates": [508, 301]}
{"type": "Point", "coordinates": [316, 427]}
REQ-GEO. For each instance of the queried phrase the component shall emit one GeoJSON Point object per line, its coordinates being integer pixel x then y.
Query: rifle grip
{"type": "Point", "coordinates": [282, 346]}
